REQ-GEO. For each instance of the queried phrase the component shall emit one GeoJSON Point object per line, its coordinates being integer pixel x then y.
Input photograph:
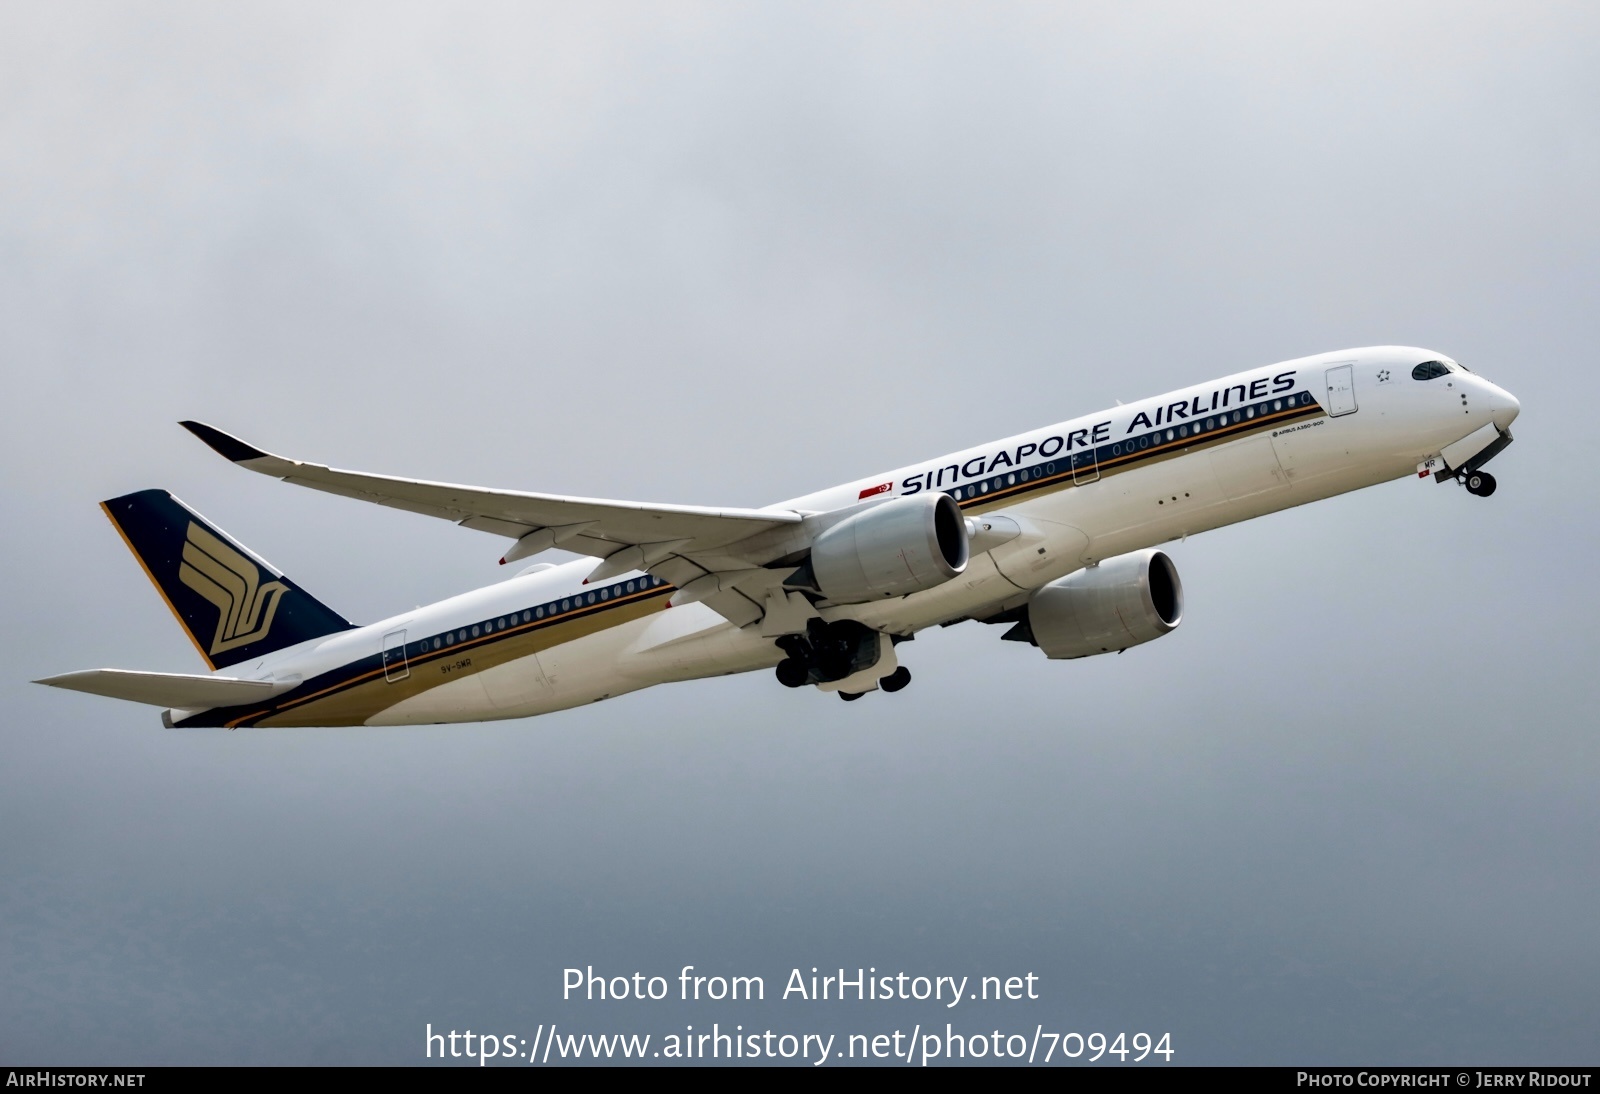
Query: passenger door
{"type": "Point", "coordinates": [395, 665]}
{"type": "Point", "coordinates": [1341, 391]}
{"type": "Point", "coordinates": [1085, 467]}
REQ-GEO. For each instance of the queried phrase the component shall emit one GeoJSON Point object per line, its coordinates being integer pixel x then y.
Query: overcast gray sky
{"type": "Point", "coordinates": [727, 254]}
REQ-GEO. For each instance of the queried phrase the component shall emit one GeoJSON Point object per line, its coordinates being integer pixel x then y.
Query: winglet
{"type": "Point", "coordinates": [224, 444]}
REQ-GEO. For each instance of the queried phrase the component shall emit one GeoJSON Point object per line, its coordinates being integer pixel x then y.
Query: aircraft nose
{"type": "Point", "coordinates": [1503, 406]}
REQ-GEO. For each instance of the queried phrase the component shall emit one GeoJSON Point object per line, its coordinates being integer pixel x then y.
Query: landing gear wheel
{"type": "Point", "coordinates": [792, 673]}
{"type": "Point", "coordinates": [896, 680]}
{"type": "Point", "coordinates": [1480, 483]}
{"type": "Point", "coordinates": [851, 696]}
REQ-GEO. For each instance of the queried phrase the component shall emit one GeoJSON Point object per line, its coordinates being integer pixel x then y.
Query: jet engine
{"type": "Point", "coordinates": [893, 549]}
{"type": "Point", "coordinates": [1119, 603]}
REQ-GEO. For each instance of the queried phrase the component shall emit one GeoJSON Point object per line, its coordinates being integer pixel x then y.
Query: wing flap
{"type": "Point", "coordinates": [168, 689]}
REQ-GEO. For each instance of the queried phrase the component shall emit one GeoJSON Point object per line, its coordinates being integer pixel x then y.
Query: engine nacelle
{"type": "Point", "coordinates": [893, 549]}
{"type": "Point", "coordinates": [1120, 603]}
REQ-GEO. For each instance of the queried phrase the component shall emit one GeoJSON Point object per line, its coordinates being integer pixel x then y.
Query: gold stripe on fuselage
{"type": "Point", "coordinates": [1144, 457]}
{"type": "Point", "coordinates": [352, 701]}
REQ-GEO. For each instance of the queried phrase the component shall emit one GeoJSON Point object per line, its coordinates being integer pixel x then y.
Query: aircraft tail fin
{"type": "Point", "coordinates": [233, 604]}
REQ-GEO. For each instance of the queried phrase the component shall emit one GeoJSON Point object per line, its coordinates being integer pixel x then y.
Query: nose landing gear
{"type": "Point", "coordinates": [1479, 483]}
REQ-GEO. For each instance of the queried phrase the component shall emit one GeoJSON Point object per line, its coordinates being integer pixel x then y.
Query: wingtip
{"type": "Point", "coordinates": [225, 445]}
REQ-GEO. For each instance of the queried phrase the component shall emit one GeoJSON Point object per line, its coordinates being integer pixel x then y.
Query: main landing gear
{"type": "Point", "coordinates": [792, 673]}
{"type": "Point", "coordinates": [896, 680]}
{"type": "Point", "coordinates": [841, 652]}
{"type": "Point", "coordinates": [1479, 483]}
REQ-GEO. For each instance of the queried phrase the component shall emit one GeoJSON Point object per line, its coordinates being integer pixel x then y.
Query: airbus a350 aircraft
{"type": "Point", "coordinates": [1052, 532]}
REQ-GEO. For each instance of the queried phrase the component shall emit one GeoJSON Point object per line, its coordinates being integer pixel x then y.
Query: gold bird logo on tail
{"type": "Point", "coordinates": [233, 583]}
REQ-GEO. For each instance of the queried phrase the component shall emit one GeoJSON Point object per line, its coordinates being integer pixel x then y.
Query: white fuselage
{"type": "Point", "coordinates": [1085, 490]}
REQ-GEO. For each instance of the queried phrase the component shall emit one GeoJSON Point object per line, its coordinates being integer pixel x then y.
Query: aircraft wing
{"type": "Point", "coordinates": [678, 542]}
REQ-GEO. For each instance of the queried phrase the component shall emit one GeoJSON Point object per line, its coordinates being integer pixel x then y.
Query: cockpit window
{"type": "Point", "coordinates": [1430, 370]}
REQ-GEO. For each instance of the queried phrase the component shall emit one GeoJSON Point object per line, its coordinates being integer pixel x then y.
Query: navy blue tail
{"type": "Point", "coordinates": [234, 605]}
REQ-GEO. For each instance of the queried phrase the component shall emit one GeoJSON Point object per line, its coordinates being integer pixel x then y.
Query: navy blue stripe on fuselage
{"type": "Point", "coordinates": [1053, 474]}
{"type": "Point", "coordinates": [458, 639]}
{"type": "Point", "coordinates": [1091, 463]}
{"type": "Point", "coordinates": [453, 642]}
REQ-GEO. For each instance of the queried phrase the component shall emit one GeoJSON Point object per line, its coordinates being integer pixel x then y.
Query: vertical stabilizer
{"type": "Point", "coordinates": [233, 603]}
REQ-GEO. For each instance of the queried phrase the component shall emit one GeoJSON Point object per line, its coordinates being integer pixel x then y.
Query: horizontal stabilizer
{"type": "Point", "coordinates": [169, 689]}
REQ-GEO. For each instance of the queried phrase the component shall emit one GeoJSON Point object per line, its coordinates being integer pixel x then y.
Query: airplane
{"type": "Point", "coordinates": [1053, 532]}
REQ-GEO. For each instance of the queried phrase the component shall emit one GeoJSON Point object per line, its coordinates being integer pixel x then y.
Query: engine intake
{"type": "Point", "coordinates": [1122, 602]}
{"type": "Point", "coordinates": [892, 549]}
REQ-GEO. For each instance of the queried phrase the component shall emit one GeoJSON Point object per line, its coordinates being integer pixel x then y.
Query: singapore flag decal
{"type": "Point", "coordinates": [881, 488]}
